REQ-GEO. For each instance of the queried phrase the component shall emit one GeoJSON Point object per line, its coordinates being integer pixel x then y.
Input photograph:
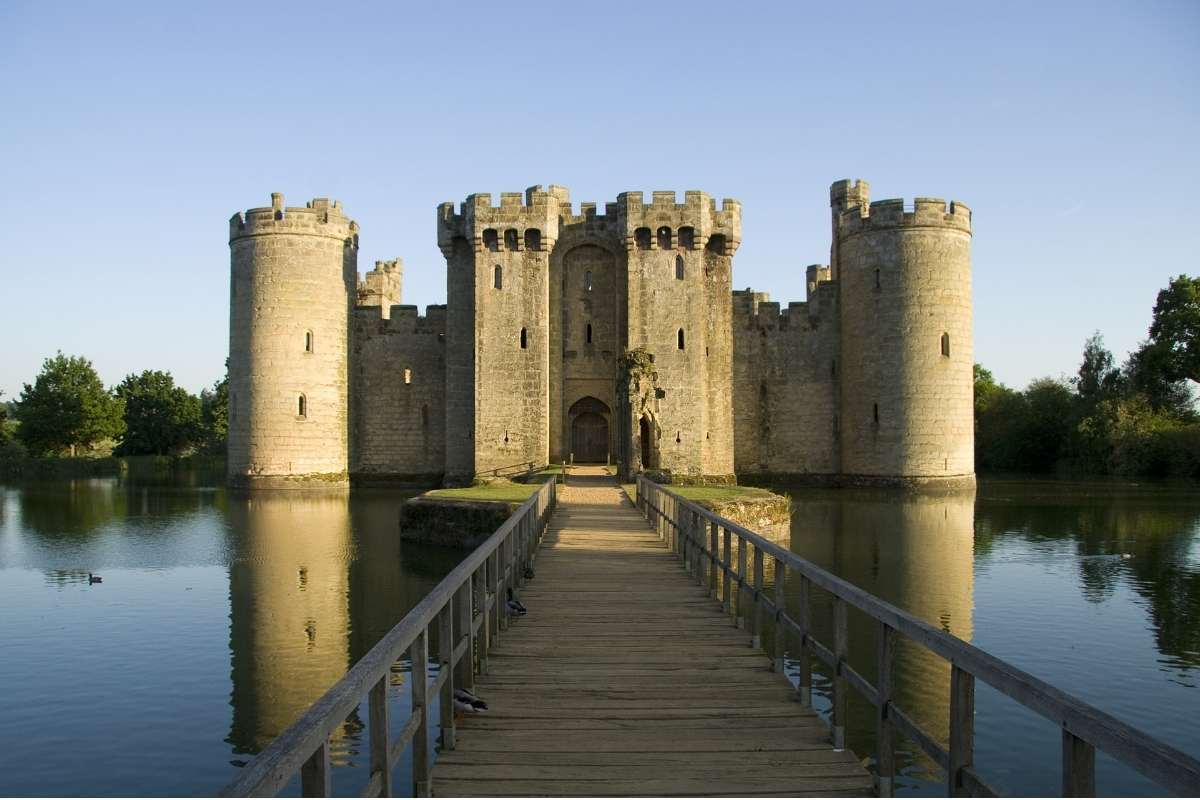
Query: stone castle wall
{"type": "Point", "coordinates": [870, 377]}
{"type": "Point", "coordinates": [785, 382]}
{"type": "Point", "coordinates": [905, 310]}
{"type": "Point", "coordinates": [292, 277]}
{"type": "Point", "coordinates": [398, 395]}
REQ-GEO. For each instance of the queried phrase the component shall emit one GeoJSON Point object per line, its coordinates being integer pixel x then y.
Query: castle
{"type": "Point", "coordinates": [613, 336]}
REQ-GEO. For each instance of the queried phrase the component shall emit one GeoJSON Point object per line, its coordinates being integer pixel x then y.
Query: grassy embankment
{"type": "Point", "coordinates": [746, 505]}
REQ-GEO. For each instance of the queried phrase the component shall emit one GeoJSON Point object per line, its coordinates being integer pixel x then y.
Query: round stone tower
{"type": "Point", "coordinates": [293, 279]}
{"type": "Point", "coordinates": [905, 312]}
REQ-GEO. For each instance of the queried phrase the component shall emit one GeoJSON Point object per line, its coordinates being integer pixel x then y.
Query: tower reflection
{"type": "Point", "coordinates": [917, 552]}
{"type": "Point", "coordinates": [289, 583]}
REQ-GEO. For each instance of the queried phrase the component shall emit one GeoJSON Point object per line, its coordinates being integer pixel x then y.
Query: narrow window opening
{"type": "Point", "coordinates": [301, 406]}
{"type": "Point", "coordinates": [677, 439]}
{"type": "Point", "coordinates": [498, 277]}
{"type": "Point", "coordinates": [833, 368]}
{"type": "Point", "coordinates": [664, 238]}
{"type": "Point", "coordinates": [946, 345]}
{"type": "Point", "coordinates": [491, 239]}
{"type": "Point", "coordinates": [687, 238]}
{"type": "Point", "coordinates": [875, 413]}
{"type": "Point", "coordinates": [679, 338]}
{"type": "Point", "coordinates": [589, 333]}
{"type": "Point", "coordinates": [524, 340]}
{"type": "Point", "coordinates": [706, 352]}
{"type": "Point", "coordinates": [708, 434]}
{"type": "Point", "coordinates": [510, 239]}
{"type": "Point", "coordinates": [506, 435]}
{"type": "Point", "coordinates": [533, 239]}
{"type": "Point", "coordinates": [587, 280]}
{"type": "Point", "coordinates": [678, 268]}
{"type": "Point", "coordinates": [876, 277]}
{"type": "Point", "coordinates": [837, 426]}
{"type": "Point", "coordinates": [642, 238]}
{"type": "Point", "coordinates": [425, 417]}
{"type": "Point", "coordinates": [308, 341]}
{"type": "Point", "coordinates": [407, 376]}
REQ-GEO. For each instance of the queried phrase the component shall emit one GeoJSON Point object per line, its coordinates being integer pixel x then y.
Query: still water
{"type": "Point", "coordinates": [1091, 586]}
{"type": "Point", "coordinates": [221, 616]}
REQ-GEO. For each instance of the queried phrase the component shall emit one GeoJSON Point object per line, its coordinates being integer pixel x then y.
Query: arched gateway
{"type": "Point", "coordinates": [589, 420]}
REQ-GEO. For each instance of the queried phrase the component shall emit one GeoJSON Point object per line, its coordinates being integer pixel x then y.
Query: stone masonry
{"type": "Point", "coordinates": [548, 306]}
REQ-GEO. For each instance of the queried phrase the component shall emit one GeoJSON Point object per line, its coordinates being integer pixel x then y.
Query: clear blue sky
{"type": "Point", "coordinates": [129, 133]}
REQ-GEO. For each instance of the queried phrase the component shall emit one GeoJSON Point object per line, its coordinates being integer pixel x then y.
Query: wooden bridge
{"type": "Point", "coordinates": [631, 676]}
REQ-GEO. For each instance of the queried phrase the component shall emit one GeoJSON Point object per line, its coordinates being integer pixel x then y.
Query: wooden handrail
{"type": "Point", "coordinates": [468, 605]}
{"type": "Point", "coordinates": [1085, 727]}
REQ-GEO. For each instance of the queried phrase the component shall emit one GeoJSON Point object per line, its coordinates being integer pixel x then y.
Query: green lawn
{"type": "Point", "coordinates": [710, 496]}
{"type": "Point", "coordinates": [497, 491]}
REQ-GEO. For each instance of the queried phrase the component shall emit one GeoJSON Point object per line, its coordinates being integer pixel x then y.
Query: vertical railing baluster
{"type": "Point", "coordinates": [962, 729]}
{"type": "Point", "coordinates": [740, 617]}
{"type": "Point", "coordinates": [315, 779]}
{"type": "Point", "coordinates": [841, 641]}
{"type": "Point", "coordinates": [712, 560]}
{"type": "Point", "coordinates": [726, 569]}
{"type": "Point", "coordinates": [756, 632]}
{"type": "Point", "coordinates": [502, 583]}
{"type": "Point", "coordinates": [1078, 766]}
{"type": "Point", "coordinates": [803, 656]}
{"type": "Point", "coordinates": [885, 761]}
{"type": "Point", "coordinates": [493, 562]}
{"type": "Point", "coordinates": [479, 590]}
{"type": "Point", "coordinates": [780, 610]}
{"type": "Point", "coordinates": [418, 656]}
{"type": "Point", "coordinates": [445, 657]}
{"type": "Point", "coordinates": [465, 668]}
{"type": "Point", "coordinates": [377, 720]}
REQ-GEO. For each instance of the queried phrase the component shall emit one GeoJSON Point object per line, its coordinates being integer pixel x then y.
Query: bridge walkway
{"type": "Point", "coordinates": [625, 679]}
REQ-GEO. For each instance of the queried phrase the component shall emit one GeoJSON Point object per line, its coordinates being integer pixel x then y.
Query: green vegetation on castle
{"type": "Point", "coordinates": [495, 491]}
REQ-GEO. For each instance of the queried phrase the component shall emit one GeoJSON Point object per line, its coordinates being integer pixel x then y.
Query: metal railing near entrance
{"type": "Point", "coordinates": [468, 608]}
{"type": "Point", "coordinates": [704, 543]}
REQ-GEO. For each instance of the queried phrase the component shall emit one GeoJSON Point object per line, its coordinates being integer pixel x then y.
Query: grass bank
{"type": "Point", "coordinates": [500, 490]}
{"type": "Point", "coordinates": [745, 505]}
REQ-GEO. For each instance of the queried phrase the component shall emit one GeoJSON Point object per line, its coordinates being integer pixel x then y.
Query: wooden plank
{"type": "Point", "coordinates": [885, 754]}
{"type": "Point", "coordinates": [419, 656]}
{"type": "Point", "coordinates": [841, 649]}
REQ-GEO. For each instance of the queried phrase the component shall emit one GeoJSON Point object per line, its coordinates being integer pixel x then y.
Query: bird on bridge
{"type": "Point", "coordinates": [514, 606]}
{"type": "Point", "coordinates": [468, 703]}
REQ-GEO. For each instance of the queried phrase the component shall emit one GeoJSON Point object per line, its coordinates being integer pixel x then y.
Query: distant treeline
{"type": "Point", "coordinates": [67, 411]}
{"type": "Point", "coordinates": [1138, 419]}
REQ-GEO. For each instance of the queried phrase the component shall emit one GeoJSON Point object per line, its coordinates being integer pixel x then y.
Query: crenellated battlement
{"type": "Point", "coordinates": [756, 311]}
{"type": "Point", "coordinates": [925, 212]}
{"type": "Point", "coordinates": [521, 221]}
{"type": "Point", "coordinates": [371, 320]}
{"type": "Point", "coordinates": [694, 224]}
{"type": "Point", "coordinates": [319, 217]}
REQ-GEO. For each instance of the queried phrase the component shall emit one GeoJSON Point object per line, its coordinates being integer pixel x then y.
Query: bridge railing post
{"type": "Point", "coordinates": [1078, 766]}
{"type": "Point", "coordinates": [446, 667]}
{"type": "Point", "coordinates": [780, 610]}
{"type": "Point", "coordinates": [962, 729]}
{"type": "Point", "coordinates": [418, 655]}
{"type": "Point", "coordinates": [885, 761]}
{"type": "Point", "coordinates": [841, 645]}
{"type": "Point", "coordinates": [741, 613]}
{"type": "Point", "coordinates": [479, 593]}
{"type": "Point", "coordinates": [377, 721]}
{"type": "Point", "coordinates": [756, 629]}
{"type": "Point", "coordinates": [315, 776]}
{"type": "Point", "coordinates": [803, 651]}
{"type": "Point", "coordinates": [712, 560]}
{"type": "Point", "coordinates": [726, 572]}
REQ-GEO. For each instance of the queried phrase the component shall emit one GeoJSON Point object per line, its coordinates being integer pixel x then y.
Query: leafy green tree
{"type": "Point", "coordinates": [1098, 379]}
{"type": "Point", "coordinates": [66, 408]}
{"type": "Point", "coordinates": [214, 415]}
{"type": "Point", "coordinates": [1148, 373]}
{"type": "Point", "coordinates": [1176, 328]}
{"type": "Point", "coordinates": [160, 417]}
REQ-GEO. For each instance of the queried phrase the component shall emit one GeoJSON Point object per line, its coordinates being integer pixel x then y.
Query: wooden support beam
{"type": "Point", "coordinates": [315, 778]}
{"type": "Point", "coordinates": [962, 729]}
{"type": "Point", "coordinates": [1078, 766]}
{"type": "Point", "coordinates": [418, 655]}
{"type": "Point", "coordinates": [885, 757]}
{"type": "Point", "coordinates": [377, 711]}
{"type": "Point", "coordinates": [841, 648]}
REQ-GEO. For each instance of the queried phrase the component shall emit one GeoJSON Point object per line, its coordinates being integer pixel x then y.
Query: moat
{"type": "Point", "coordinates": [222, 615]}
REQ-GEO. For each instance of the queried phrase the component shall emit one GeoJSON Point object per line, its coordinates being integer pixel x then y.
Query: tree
{"type": "Point", "coordinates": [160, 417]}
{"type": "Point", "coordinates": [1148, 373]}
{"type": "Point", "coordinates": [67, 407]}
{"type": "Point", "coordinates": [1097, 379]}
{"type": "Point", "coordinates": [214, 415]}
{"type": "Point", "coordinates": [1176, 328]}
